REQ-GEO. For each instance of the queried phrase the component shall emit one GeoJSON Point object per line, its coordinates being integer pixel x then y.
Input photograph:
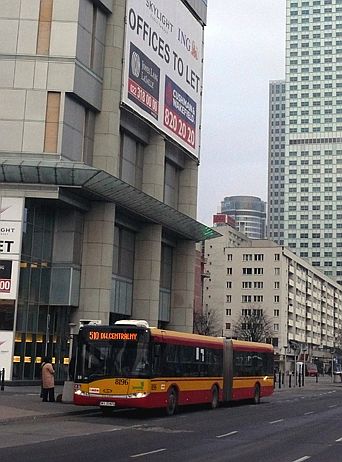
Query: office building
{"type": "Point", "coordinates": [313, 142]}
{"type": "Point", "coordinates": [276, 161]}
{"type": "Point", "coordinates": [249, 213]}
{"type": "Point", "coordinates": [98, 188]}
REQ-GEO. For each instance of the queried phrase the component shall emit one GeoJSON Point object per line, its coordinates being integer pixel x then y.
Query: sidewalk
{"type": "Point", "coordinates": [18, 403]}
{"type": "Point", "coordinates": [324, 383]}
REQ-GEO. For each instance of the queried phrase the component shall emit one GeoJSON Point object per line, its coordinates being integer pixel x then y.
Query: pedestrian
{"type": "Point", "coordinates": [48, 380]}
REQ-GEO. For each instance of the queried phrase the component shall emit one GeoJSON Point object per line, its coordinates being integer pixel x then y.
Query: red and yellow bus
{"type": "Point", "coordinates": [133, 365]}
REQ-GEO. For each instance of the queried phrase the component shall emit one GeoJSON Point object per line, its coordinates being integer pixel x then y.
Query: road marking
{"type": "Point", "coordinates": [148, 453]}
{"type": "Point", "coordinates": [227, 434]}
{"type": "Point", "coordinates": [276, 421]}
{"type": "Point", "coordinates": [333, 405]}
{"type": "Point", "coordinates": [339, 440]}
{"type": "Point", "coordinates": [302, 459]}
{"type": "Point", "coordinates": [308, 413]}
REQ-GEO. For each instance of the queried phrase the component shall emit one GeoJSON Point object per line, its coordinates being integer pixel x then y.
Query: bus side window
{"type": "Point", "coordinates": [157, 352]}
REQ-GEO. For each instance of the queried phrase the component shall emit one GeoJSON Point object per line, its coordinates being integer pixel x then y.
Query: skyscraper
{"type": "Point", "coordinates": [313, 147]}
{"type": "Point", "coordinates": [249, 213]}
{"type": "Point", "coordinates": [276, 161]}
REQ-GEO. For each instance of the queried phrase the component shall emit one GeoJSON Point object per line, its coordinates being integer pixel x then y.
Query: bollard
{"type": "Point", "coordinates": [279, 380]}
{"type": "Point", "coordinates": [303, 379]}
{"type": "Point", "coordinates": [290, 376]}
{"type": "Point", "coordinates": [299, 380]}
{"type": "Point", "coordinates": [3, 379]}
{"type": "Point", "coordinates": [316, 378]}
{"type": "Point", "coordinates": [283, 378]}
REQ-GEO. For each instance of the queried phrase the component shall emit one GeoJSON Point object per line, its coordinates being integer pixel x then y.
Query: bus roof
{"type": "Point", "coordinates": [244, 346]}
{"type": "Point", "coordinates": [186, 338]}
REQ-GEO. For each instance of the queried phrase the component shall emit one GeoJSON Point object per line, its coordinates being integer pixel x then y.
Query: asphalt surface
{"type": "Point", "coordinates": [293, 425]}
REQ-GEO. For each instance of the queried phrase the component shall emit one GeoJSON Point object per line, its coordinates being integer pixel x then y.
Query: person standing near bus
{"type": "Point", "coordinates": [48, 381]}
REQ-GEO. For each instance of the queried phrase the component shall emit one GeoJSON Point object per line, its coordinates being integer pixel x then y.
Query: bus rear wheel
{"type": "Point", "coordinates": [214, 398]}
{"type": "Point", "coordinates": [256, 397]}
{"type": "Point", "coordinates": [171, 405]}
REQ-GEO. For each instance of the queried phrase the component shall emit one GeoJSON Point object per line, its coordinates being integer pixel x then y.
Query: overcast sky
{"type": "Point", "coordinates": [244, 50]}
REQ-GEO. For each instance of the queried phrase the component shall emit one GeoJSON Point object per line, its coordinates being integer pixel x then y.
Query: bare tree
{"type": "Point", "coordinates": [206, 324]}
{"type": "Point", "coordinates": [254, 326]}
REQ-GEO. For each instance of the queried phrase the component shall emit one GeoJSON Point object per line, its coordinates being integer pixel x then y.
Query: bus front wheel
{"type": "Point", "coordinates": [171, 405]}
{"type": "Point", "coordinates": [214, 398]}
{"type": "Point", "coordinates": [256, 397]}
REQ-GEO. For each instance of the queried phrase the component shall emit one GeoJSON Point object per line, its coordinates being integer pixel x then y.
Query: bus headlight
{"type": "Point", "coordinates": [138, 395]}
{"type": "Point", "coordinates": [78, 392]}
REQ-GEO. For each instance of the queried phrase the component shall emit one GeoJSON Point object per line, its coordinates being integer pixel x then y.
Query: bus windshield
{"type": "Point", "coordinates": [115, 352]}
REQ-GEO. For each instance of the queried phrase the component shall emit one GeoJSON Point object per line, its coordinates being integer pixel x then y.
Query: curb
{"type": "Point", "coordinates": [44, 416]}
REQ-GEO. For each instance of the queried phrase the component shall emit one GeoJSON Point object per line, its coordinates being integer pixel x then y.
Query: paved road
{"type": "Point", "coordinates": [287, 427]}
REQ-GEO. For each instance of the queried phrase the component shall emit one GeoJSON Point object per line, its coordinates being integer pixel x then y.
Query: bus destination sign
{"type": "Point", "coordinates": [99, 335]}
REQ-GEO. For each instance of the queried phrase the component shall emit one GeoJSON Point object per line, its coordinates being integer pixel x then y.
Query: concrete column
{"type": "Point", "coordinates": [107, 124]}
{"type": "Point", "coordinates": [187, 195]}
{"type": "Point", "coordinates": [154, 164]}
{"type": "Point", "coordinates": [97, 261]}
{"type": "Point", "coordinates": [147, 274]}
{"type": "Point", "coordinates": [183, 286]}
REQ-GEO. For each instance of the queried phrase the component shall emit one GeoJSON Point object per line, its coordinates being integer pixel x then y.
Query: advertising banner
{"type": "Point", "coordinates": [11, 225]}
{"type": "Point", "coordinates": [163, 67]}
{"type": "Point", "coordinates": [6, 347]}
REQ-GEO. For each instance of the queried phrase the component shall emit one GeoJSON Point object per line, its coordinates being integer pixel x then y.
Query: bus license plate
{"type": "Point", "coordinates": [107, 403]}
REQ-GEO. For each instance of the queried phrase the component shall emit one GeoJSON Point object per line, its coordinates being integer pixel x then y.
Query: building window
{"type": "Point", "coordinates": [277, 271]}
{"type": "Point", "coordinates": [246, 284]}
{"type": "Point", "coordinates": [52, 121]}
{"type": "Point", "coordinates": [276, 313]}
{"type": "Point", "coordinates": [131, 160]}
{"type": "Point", "coordinates": [276, 299]}
{"type": "Point", "coordinates": [44, 27]}
{"type": "Point", "coordinates": [229, 271]}
{"type": "Point", "coordinates": [258, 270]}
{"type": "Point", "coordinates": [228, 298]}
{"type": "Point", "coordinates": [277, 285]}
{"type": "Point", "coordinates": [277, 257]}
{"type": "Point", "coordinates": [247, 271]}
{"type": "Point", "coordinates": [171, 184]}
{"type": "Point", "coordinates": [247, 257]}
{"type": "Point", "coordinates": [259, 257]}
{"type": "Point", "coordinates": [230, 257]}
{"type": "Point", "coordinates": [228, 325]}
{"type": "Point", "coordinates": [229, 284]}
{"type": "Point", "coordinates": [246, 298]}
{"type": "Point", "coordinates": [228, 312]}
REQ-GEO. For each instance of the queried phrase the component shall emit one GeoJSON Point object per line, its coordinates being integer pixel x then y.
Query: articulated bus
{"type": "Point", "coordinates": [132, 365]}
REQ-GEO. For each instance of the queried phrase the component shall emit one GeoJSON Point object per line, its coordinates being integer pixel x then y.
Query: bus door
{"type": "Point", "coordinates": [227, 370]}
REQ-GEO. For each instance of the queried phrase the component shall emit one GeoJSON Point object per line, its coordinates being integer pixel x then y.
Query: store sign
{"type": "Point", "coordinates": [163, 68]}
{"type": "Point", "coordinates": [11, 224]}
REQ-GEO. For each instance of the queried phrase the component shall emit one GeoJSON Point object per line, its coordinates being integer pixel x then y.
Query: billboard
{"type": "Point", "coordinates": [11, 224]}
{"type": "Point", "coordinates": [163, 68]}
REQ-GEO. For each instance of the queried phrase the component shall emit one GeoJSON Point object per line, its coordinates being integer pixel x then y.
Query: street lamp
{"type": "Point", "coordinates": [285, 362]}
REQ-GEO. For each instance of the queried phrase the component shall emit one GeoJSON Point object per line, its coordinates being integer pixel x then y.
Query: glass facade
{"type": "Point", "coordinates": [41, 329]}
{"type": "Point", "coordinates": [249, 213]}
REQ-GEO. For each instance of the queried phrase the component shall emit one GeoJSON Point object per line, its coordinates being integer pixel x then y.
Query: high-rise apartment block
{"type": "Point", "coordinates": [100, 110]}
{"type": "Point", "coordinates": [313, 142]}
{"type": "Point", "coordinates": [302, 304]}
{"type": "Point", "coordinates": [276, 161]}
